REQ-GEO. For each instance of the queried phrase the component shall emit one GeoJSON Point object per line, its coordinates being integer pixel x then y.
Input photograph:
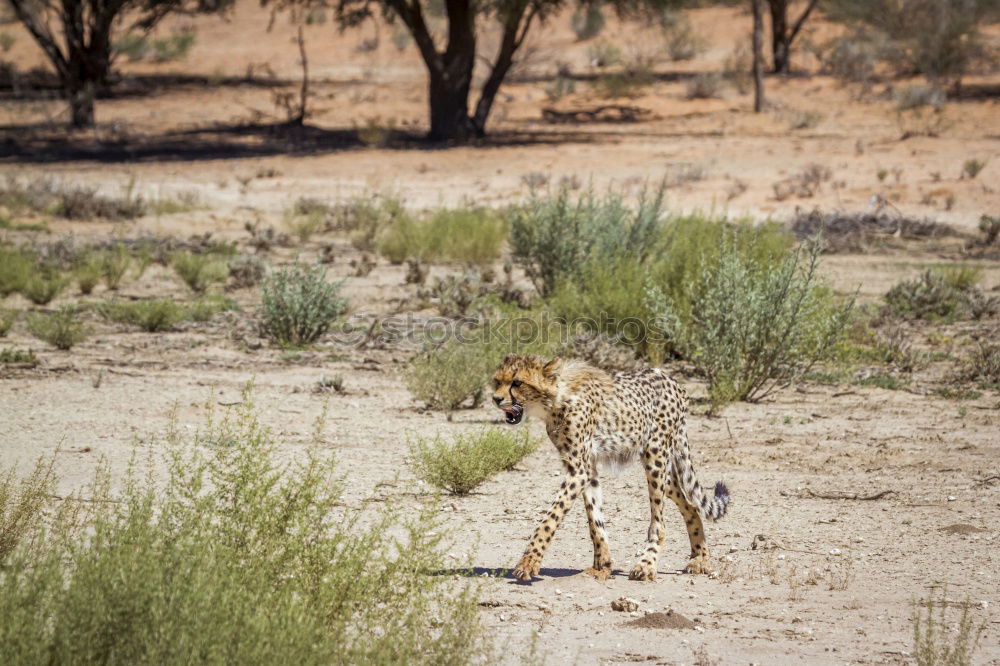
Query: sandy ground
{"type": "Point", "coordinates": [831, 581]}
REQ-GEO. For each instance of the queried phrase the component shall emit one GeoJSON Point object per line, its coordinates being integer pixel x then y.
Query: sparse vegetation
{"type": "Point", "coordinates": [238, 555]}
{"type": "Point", "coordinates": [115, 262]}
{"type": "Point", "coordinates": [43, 286]}
{"type": "Point", "coordinates": [630, 81]}
{"type": "Point", "coordinates": [13, 356]}
{"type": "Point", "coordinates": [298, 305]}
{"type": "Point", "coordinates": [706, 85]}
{"type": "Point", "coordinates": [470, 459]}
{"type": "Point", "coordinates": [936, 642]}
{"type": "Point", "coordinates": [467, 235]}
{"type": "Point", "coordinates": [138, 47]}
{"type": "Point", "coordinates": [158, 314]}
{"type": "Point", "coordinates": [679, 36]}
{"type": "Point", "coordinates": [587, 22]}
{"type": "Point", "coordinates": [17, 265]}
{"type": "Point", "coordinates": [983, 364]}
{"type": "Point", "coordinates": [941, 293]}
{"type": "Point", "coordinates": [450, 375]}
{"type": "Point", "coordinates": [198, 271]}
{"type": "Point", "coordinates": [7, 319]}
{"type": "Point", "coordinates": [972, 167]}
{"type": "Point", "coordinates": [62, 329]}
{"type": "Point", "coordinates": [88, 272]}
{"type": "Point", "coordinates": [22, 503]}
{"type": "Point", "coordinates": [245, 272]}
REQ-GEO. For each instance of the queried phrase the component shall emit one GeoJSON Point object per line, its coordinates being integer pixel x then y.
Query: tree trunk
{"type": "Point", "coordinates": [758, 65]}
{"type": "Point", "coordinates": [780, 43]}
{"type": "Point", "coordinates": [449, 102]}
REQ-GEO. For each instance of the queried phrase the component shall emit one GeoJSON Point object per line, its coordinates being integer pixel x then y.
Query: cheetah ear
{"type": "Point", "coordinates": [552, 368]}
{"type": "Point", "coordinates": [508, 359]}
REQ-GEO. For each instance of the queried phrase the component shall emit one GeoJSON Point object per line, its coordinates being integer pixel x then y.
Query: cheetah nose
{"type": "Point", "coordinates": [497, 399]}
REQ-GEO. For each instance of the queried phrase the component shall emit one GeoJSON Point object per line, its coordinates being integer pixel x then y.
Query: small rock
{"type": "Point", "coordinates": [952, 498]}
{"type": "Point", "coordinates": [984, 604]}
{"type": "Point", "coordinates": [625, 605]}
{"type": "Point", "coordinates": [835, 551]}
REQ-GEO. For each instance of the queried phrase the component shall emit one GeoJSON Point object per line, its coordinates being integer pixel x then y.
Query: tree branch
{"type": "Point", "coordinates": [802, 19]}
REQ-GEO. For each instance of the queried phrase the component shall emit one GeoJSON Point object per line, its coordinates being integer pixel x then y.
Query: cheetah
{"type": "Point", "coordinates": [593, 417]}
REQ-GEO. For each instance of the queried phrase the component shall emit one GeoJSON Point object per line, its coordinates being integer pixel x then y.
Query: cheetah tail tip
{"type": "Point", "coordinates": [721, 491]}
{"type": "Point", "coordinates": [721, 500]}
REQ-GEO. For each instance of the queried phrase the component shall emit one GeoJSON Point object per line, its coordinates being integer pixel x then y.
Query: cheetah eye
{"type": "Point", "coordinates": [516, 383]}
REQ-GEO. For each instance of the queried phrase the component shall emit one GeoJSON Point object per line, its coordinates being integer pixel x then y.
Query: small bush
{"type": "Point", "coordinates": [754, 328]}
{"type": "Point", "coordinates": [935, 642]}
{"type": "Point", "coordinates": [208, 306]}
{"type": "Point", "coordinates": [366, 217]}
{"type": "Point", "coordinates": [12, 356]}
{"type": "Point", "coordinates": [298, 305]}
{"type": "Point", "coordinates": [304, 225]}
{"type": "Point", "coordinates": [7, 319]}
{"type": "Point", "coordinates": [604, 54]}
{"type": "Point", "coordinates": [41, 288]}
{"type": "Point", "coordinates": [587, 22]}
{"type": "Point", "coordinates": [707, 85]}
{"type": "Point", "coordinates": [630, 81]}
{"type": "Point", "coordinates": [137, 47]}
{"type": "Point", "coordinates": [237, 557]}
{"type": "Point", "coordinates": [159, 314]}
{"type": "Point", "coordinates": [450, 376]}
{"type": "Point", "coordinates": [943, 293]}
{"type": "Point", "coordinates": [198, 271]}
{"type": "Point", "coordinates": [990, 228]}
{"type": "Point", "coordinates": [971, 168]}
{"type": "Point", "coordinates": [983, 364]}
{"type": "Point", "coordinates": [17, 266]}
{"type": "Point", "coordinates": [63, 330]}
{"type": "Point", "coordinates": [462, 465]}
{"type": "Point", "coordinates": [82, 202]}
{"type": "Point", "coordinates": [918, 96]}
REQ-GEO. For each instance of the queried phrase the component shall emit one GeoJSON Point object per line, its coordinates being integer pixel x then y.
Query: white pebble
{"type": "Point", "coordinates": [952, 498]}
{"type": "Point", "coordinates": [835, 551]}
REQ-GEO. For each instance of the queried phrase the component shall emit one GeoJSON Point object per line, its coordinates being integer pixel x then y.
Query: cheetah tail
{"type": "Point", "coordinates": [713, 507]}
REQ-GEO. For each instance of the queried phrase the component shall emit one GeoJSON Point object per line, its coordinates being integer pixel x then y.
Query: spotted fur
{"type": "Point", "coordinates": [594, 418]}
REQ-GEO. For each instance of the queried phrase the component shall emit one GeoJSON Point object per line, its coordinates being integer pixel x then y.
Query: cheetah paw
{"type": "Point", "coordinates": [599, 574]}
{"type": "Point", "coordinates": [643, 571]}
{"type": "Point", "coordinates": [698, 565]}
{"type": "Point", "coordinates": [527, 568]}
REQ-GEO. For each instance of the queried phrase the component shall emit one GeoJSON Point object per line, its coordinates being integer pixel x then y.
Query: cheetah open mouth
{"type": "Point", "coordinates": [513, 414]}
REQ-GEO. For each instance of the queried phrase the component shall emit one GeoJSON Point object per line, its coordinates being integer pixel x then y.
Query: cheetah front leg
{"type": "Point", "coordinates": [572, 486]}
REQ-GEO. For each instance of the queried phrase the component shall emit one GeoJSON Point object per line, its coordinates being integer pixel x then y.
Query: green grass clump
{"type": "Point", "coordinates": [88, 272]}
{"type": "Point", "coordinates": [468, 235]}
{"type": "Point", "coordinates": [365, 217]}
{"type": "Point", "coordinates": [62, 329]}
{"type": "Point", "coordinates": [42, 287]}
{"type": "Point", "coordinates": [114, 264]}
{"type": "Point", "coordinates": [10, 355]}
{"type": "Point", "coordinates": [199, 271]}
{"type": "Point", "coordinates": [298, 305]}
{"type": "Point", "coordinates": [7, 319]}
{"type": "Point", "coordinates": [935, 643]}
{"type": "Point", "coordinates": [463, 464]}
{"type": "Point", "coordinates": [158, 314]}
{"type": "Point", "coordinates": [208, 306]}
{"type": "Point", "coordinates": [237, 557]}
{"type": "Point", "coordinates": [304, 225]}
{"type": "Point", "coordinates": [17, 266]}
{"type": "Point", "coordinates": [451, 375]}
{"type": "Point", "coordinates": [754, 328]}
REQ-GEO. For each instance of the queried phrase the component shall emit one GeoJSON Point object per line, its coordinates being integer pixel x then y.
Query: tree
{"type": "Point", "coordinates": [450, 67]}
{"type": "Point", "coordinates": [80, 47]}
{"type": "Point", "coordinates": [782, 35]}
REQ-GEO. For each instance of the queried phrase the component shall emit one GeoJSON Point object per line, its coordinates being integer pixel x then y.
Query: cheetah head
{"type": "Point", "coordinates": [524, 383]}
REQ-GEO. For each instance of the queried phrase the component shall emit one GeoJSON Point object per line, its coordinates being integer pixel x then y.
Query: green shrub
{"type": "Point", "coordinates": [62, 329]}
{"type": "Point", "coordinates": [679, 36]}
{"type": "Point", "coordinates": [17, 265]}
{"type": "Point", "coordinates": [298, 305]}
{"type": "Point", "coordinates": [158, 314]}
{"type": "Point", "coordinates": [238, 557]}
{"type": "Point", "coordinates": [22, 503]}
{"type": "Point", "coordinates": [366, 217]}
{"type": "Point", "coordinates": [10, 355]}
{"type": "Point", "coordinates": [114, 263]}
{"type": "Point", "coordinates": [753, 328]}
{"type": "Point", "coordinates": [983, 364]}
{"type": "Point", "coordinates": [304, 225]}
{"type": "Point", "coordinates": [199, 271]}
{"type": "Point", "coordinates": [42, 287]}
{"type": "Point", "coordinates": [938, 640]}
{"type": "Point", "coordinates": [630, 81]}
{"type": "Point", "coordinates": [553, 237]}
{"type": "Point", "coordinates": [470, 458]}
{"type": "Point", "coordinates": [468, 235]}
{"type": "Point", "coordinates": [7, 319]}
